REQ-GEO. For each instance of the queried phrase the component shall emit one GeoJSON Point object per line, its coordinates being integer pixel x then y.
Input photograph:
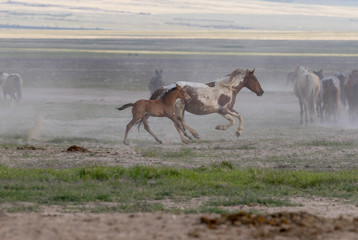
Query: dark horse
{"type": "Point", "coordinates": [163, 107]}
{"type": "Point", "coordinates": [351, 91]}
{"type": "Point", "coordinates": [338, 80]}
{"type": "Point", "coordinates": [156, 82]}
{"type": "Point", "coordinates": [214, 97]}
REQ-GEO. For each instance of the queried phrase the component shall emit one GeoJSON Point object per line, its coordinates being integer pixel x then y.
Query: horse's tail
{"type": "Point", "coordinates": [125, 106]}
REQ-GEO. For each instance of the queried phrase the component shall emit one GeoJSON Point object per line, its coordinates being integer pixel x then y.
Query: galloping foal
{"type": "Point", "coordinates": [163, 107]}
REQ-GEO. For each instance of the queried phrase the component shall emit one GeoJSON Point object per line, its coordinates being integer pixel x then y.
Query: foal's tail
{"type": "Point", "coordinates": [125, 106]}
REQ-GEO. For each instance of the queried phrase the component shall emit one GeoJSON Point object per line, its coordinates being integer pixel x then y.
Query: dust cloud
{"type": "Point", "coordinates": [75, 95]}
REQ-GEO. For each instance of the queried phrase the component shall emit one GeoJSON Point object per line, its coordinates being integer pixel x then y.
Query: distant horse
{"type": "Point", "coordinates": [331, 99]}
{"type": "Point", "coordinates": [307, 87]}
{"type": "Point", "coordinates": [338, 79]}
{"type": "Point", "coordinates": [351, 91]}
{"type": "Point", "coordinates": [11, 85]}
{"type": "Point", "coordinates": [214, 97]}
{"type": "Point", "coordinates": [156, 82]}
{"type": "Point", "coordinates": [163, 107]}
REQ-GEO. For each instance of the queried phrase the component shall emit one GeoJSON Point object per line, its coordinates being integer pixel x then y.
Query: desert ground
{"type": "Point", "coordinates": [71, 99]}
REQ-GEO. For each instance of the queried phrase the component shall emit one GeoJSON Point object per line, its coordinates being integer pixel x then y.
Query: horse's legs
{"type": "Point", "coordinates": [129, 126]}
{"type": "Point", "coordinates": [178, 124]}
{"type": "Point", "coordinates": [179, 112]}
{"type": "Point", "coordinates": [228, 115]}
{"type": "Point", "coordinates": [301, 111]}
{"type": "Point", "coordinates": [305, 110]}
{"type": "Point", "coordinates": [147, 128]}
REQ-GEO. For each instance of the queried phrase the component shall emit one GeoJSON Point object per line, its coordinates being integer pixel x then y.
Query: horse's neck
{"type": "Point", "coordinates": [170, 97]}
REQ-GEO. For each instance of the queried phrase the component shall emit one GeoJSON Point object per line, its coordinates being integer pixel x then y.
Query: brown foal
{"type": "Point", "coordinates": [163, 107]}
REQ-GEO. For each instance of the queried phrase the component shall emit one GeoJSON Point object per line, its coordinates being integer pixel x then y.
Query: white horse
{"type": "Point", "coordinates": [11, 85]}
{"type": "Point", "coordinates": [307, 88]}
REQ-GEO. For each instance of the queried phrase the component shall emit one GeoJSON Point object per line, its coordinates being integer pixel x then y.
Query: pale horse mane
{"type": "Point", "coordinates": [232, 79]}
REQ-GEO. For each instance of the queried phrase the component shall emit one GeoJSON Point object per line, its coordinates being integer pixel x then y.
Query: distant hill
{"type": "Point", "coordinates": [159, 15]}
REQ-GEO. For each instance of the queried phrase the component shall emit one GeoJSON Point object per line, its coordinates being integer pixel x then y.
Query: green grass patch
{"type": "Point", "coordinates": [133, 189]}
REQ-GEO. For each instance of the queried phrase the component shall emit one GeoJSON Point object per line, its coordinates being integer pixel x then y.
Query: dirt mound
{"type": "Point", "coordinates": [299, 225]}
{"type": "Point", "coordinates": [75, 148]}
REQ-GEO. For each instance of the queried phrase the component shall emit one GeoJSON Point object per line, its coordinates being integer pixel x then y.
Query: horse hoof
{"type": "Point", "coordinates": [186, 141]}
{"type": "Point", "coordinates": [219, 127]}
{"type": "Point", "coordinates": [237, 134]}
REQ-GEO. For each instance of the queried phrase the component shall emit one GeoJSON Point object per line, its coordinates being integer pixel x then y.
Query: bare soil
{"type": "Point", "coordinates": [281, 225]}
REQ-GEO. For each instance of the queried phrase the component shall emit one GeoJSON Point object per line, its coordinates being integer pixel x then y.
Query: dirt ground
{"type": "Point", "coordinates": [281, 225]}
{"type": "Point", "coordinates": [51, 120]}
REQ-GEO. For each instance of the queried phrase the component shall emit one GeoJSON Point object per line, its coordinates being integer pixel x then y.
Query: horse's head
{"type": "Point", "coordinates": [159, 72]}
{"type": "Point", "coordinates": [251, 82]}
{"type": "Point", "coordinates": [300, 69]}
{"type": "Point", "coordinates": [182, 94]}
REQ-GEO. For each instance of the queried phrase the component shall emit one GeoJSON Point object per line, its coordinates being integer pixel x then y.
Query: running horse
{"type": "Point", "coordinates": [307, 88]}
{"type": "Point", "coordinates": [163, 107]}
{"type": "Point", "coordinates": [213, 97]}
{"type": "Point", "coordinates": [11, 85]}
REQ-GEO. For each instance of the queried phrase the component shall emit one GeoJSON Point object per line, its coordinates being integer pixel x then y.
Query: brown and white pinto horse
{"type": "Point", "coordinates": [163, 107]}
{"type": "Point", "coordinates": [214, 97]}
{"type": "Point", "coordinates": [11, 85]}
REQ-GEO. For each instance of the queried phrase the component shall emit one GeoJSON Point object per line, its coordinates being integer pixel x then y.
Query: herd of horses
{"type": "Point", "coordinates": [323, 94]}
{"type": "Point", "coordinates": [326, 95]}
{"type": "Point", "coordinates": [330, 93]}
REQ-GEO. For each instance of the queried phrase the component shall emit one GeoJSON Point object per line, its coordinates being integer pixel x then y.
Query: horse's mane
{"type": "Point", "coordinates": [169, 91]}
{"type": "Point", "coordinates": [230, 78]}
{"type": "Point", "coordinates": [236, 73]}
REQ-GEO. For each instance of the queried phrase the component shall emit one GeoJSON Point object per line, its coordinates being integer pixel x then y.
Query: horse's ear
{"type": "Point", "coordinates": [253, 71]}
